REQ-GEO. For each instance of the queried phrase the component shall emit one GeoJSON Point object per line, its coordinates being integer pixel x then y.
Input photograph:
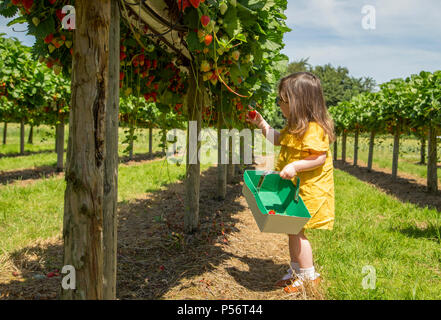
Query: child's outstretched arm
{"type": "Point", "coordinates": [315, 160]}
{"type": "Point", "coordinates": [270, 134]}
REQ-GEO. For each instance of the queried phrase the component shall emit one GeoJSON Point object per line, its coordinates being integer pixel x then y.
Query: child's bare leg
{"type": "Point", "coordinates": [300, 250]}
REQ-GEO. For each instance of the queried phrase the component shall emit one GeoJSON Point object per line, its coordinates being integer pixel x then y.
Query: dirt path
{"type": "Point", "coordinates": [229, 258]}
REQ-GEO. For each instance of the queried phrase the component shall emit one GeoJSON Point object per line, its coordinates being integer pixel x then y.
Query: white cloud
{"type": "Point", "coordinates": [379, 62]}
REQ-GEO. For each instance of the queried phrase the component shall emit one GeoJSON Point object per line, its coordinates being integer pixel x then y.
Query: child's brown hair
{"type": "Point", "coordinates": [304, 94]}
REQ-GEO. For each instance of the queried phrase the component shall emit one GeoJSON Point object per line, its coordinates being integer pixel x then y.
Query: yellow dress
{"type": "Point", "coordinates": [316, 185]}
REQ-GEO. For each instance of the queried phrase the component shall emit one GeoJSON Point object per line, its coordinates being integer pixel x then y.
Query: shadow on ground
{"type": "Point", "coordinates": [405, 189]}
{"type": "Point", "coordinates": [154, 254]}
{"type": "Point", "coordinates": [49, 171]}
{"type": "Point", "coordinates": [430, 232]}
{"type": "Point", "coordinates": [26, 153]}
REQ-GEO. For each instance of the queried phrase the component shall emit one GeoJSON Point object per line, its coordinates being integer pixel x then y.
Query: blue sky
{"type": "Point", "coordinates": [407, 38]}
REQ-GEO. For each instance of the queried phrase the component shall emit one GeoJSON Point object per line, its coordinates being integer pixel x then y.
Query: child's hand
{"type": "Point", "coordinates": [288, 172]}
{"type": "Point", "coordinates": [254, 117]}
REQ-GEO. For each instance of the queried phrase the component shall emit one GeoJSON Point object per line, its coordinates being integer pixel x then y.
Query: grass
{"type": "Point", "coordinates": [408, 159]}
{"type": "Point", "coordinates": [400, 240]}
{"type": "Point", "coordinates": [42, 150]}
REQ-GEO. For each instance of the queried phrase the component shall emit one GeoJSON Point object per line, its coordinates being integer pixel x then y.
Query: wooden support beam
{"type": "Point", "coordinates": [110, 220]}
{"type": "Point", "coordinates": [83, 200]}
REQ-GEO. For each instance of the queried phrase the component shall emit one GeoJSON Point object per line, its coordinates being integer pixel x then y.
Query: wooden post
{"type": "Point", "coordinates": [83, 201]}
{"type": "Point", "coordinates": [221, 168]}
{"type": "Point", "coordinates": [356, 147]}
{"type": "Point", "coordinates": [371, 150]}
{"type": "Point", "coordinates": [230, 166]}
{"type": "Point", "coordinates": [192, 181]}
{"type": "Point", "coordinates": [241, 165]}
{"type": "Point", "coordinates": [131, 135]}
{"type": "Point", "coordinates": [31, 135]}
{"type": "Point", "coordinates": [164, 140]}
{"type": "Point", "coordinates": [343, 147]}
{"type": "Point", "coordinates": [110, 221]}
{"type": "Point", "coordinates": [22, 137]}
{"type": "Point", "coordinates": [5, 129]}
{"type": "Point", "coordinates": [56, 139]}
{"type": "Point", "coordinates": [150, 141]}
{"type": "Point", "coordinates": [432, 179]}
{"type": "Point", "coordinates": [396, 151]}
{"type": "Point", "coordinates": [252, 147]}
{"type": "Point", "coordinates": [423, 150]}
{"type": "Point", "coordinates": [60, 144]}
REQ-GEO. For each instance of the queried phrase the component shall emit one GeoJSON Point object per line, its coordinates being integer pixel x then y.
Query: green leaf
{"type": "Point", "coordinates": [20, 19]}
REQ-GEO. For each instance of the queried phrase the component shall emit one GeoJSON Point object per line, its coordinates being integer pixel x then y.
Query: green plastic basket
{"type": "Point", "coordinates": [279, 195]}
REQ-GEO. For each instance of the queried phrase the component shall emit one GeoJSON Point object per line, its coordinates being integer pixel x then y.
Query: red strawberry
{"type": "Point", "coordinates": [150, 80]}
{"type": "Point", "coordinates": [205, 20]}
{"type": "Point", "coordinates": [271, 212]}
{"type": "Point", "coordinates": [208, 38]}
{"type": "Point", "coordinates": [155, 64]}
{"type": "Point", "coordinates": [252, 114]}
{"type": "Point", "coordinates": [161, 268]}
{"type": "Point", "coordinates": [122, 56]}
{"type": "Point", "coordinates": [52, 1]}
{"type": "Point", "coordinates": [16, 2]}
{"type": "Point", "coordinates": [184, 3]}
{"type": "Point", "coordinates": [50, 274]}
{"type": "Point", "coordinates": [195, 3]}
{"type": "Point", "coordinates": [27, 4]}
{"type": "Point", "coordinates": [60, 14]}
{"type": "Point", "coordinates": [121, 76]}
{"type": "Point", "coordinates": [48, 38]}
{"type": "Point", "coordinates": [56, 43]}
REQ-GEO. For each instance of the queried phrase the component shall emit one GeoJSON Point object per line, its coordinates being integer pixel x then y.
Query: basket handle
{"type": "Point", "coordinates": [296, 196]}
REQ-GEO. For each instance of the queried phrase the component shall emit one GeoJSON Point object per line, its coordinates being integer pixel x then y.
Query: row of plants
{"type": "Point", "coordinates": [401, 106]}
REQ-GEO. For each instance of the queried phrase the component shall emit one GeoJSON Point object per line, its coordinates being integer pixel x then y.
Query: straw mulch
{"type": "Point", "coordinates": [228, 258]}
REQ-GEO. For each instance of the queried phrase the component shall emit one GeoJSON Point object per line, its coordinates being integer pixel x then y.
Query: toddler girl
{"type": "Point", "coordinates": [305, 153]}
